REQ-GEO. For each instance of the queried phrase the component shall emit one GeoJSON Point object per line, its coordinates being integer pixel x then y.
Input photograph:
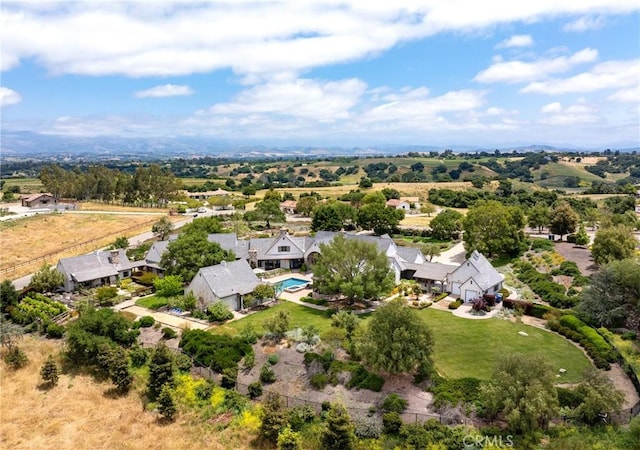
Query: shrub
{"type": "Point", "coordinates": [16, 358]}
{"type": "Point", "coordinates": [106, 294]}
{"type": "Point", "coordinates": [440, 296]}
{"type": "Point", "coordinates": [456, 391]}
{"type": "Point", "coordinates": [273, 359]}
{"type": "Point", "coordinates": [569, 268]}
{"type": "Point", "coordinates": [146, 279]}
{"type": "Point", "coordinates": [183, 362]}
{"type": "Point", "coordinates": [267, 375]}
{"type": "Point", "coordinates": [569, 398]}
{"type": "Point", "coordinates": [394, 403]}
{"type": "Point", "coordinates": [367, 427]}
{"type": "Point", "coordinates": [229, 377]}
{"type": "Point", "coordinates": [455, 305]}
{"type": "Point", "coordinates": [139, 356]}
{"type": "Point", "coordinates": [55, 331]}
{"type": "Point", "coordinates": [629, 336]}
{"type": "Point", "coordinates": [255, 389]}
{"type": "Point", "coordinates": [314, 301]}
{"type": "Point", "coordinates": [49, 371]}
{"type": "Point", "coordinates": [219, 312]}
{"type": "Point", "coordinates": [363, 379]}
{"type": "Point", "coordinates": [169, 333]}
{"type": "Point", "coordinates": [319, 380]}
{"type": "Point", "coordinates": [542, 245]}
{"type": "Point", "coordinates": [146, 321]}
{"type": "Point", "coordinates": [300, 415]}
{"type": "Point", "coordinates": [391, 422]}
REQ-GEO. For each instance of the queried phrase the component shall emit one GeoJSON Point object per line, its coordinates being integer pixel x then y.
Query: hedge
{"type": "Point", "coordinates": [594, 344]}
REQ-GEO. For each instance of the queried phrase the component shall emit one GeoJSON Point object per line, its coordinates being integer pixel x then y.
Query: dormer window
{"type": "Point", "coordinates": [284, 249]}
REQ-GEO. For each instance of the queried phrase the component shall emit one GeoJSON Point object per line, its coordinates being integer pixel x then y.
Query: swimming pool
{"type": "Point", "coordinates": [291, 284]}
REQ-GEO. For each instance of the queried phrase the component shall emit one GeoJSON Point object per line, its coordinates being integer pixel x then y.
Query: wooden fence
{"type": "Point", "coordinates": [90, 242]}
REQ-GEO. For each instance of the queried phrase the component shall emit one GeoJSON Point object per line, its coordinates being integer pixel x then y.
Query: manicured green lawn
{"type": "Point", "coordinates": [299, 316]}
{"type": "Point", "coordinates": [152, 302]}
{"type": "Point", "coordinates": [470, 348]}
{"type": "Point", "coordinates": [463, 347]}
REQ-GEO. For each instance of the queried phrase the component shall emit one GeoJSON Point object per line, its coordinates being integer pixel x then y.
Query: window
{"type": "Point", "coordinates": [284, 248]}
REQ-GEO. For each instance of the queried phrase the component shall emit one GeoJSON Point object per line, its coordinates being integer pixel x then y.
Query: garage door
{"type": "Point", "coordinates": [470, 295]}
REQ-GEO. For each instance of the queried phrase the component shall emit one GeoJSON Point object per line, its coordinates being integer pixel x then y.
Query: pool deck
{"type": "Point", "coordinates": [286, 276]}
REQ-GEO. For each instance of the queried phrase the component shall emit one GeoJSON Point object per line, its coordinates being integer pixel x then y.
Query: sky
{"type": "Point", "coordinates": [305, 72]}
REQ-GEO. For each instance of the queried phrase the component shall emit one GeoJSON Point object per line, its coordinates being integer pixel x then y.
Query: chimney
{"type": "Point", "coordinates": [114, 257]}
{"type": "Point", "coordinates": [253, 258]}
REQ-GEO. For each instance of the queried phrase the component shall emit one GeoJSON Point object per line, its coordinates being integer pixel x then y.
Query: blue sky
{"type": "Point", "coordinates": [353, 72]}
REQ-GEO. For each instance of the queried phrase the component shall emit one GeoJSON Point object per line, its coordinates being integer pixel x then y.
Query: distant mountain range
{"type": "Point", "coordinates": [25, 144]}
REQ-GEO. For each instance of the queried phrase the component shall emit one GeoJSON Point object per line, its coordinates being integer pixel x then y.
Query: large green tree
{"type": "Point", "coordinates": [377, 217]}
{"type": "Point", "coordinates": [161, 370]}
{"type": "Point", "coordinates": [190, 252]}
{"type": "Point", "coordinates": [352, 268]}
{"type": "Point", "coordinates": [267, 211]}
{"type": "Point", "coordinates": [538, 216]}
{"type": "Point", "coordinates": [208, 225]}
{"type": "Point", "coordinates": [396, 340]}
{"type": "Point", "coordinates": [612, 299]}
{"type": "Point", "coordinates": [599, 398]}
{"type": "Point", "coordinates": [8, 296]}
{"type": "Point", "coordinates": [493, 228]}
{"type": "Point", "coordinates": [162, 228]}
{"type": "Point", "coordinates": [521, 391]}
{"type": "Point", "coordinates": [613, 244]}
{"type": "Point", "coordinates": [563, 219]}
{"type": "Point", "coordinates": [46, 279]}
{"type": "Point", "coordinates": [446, 225]}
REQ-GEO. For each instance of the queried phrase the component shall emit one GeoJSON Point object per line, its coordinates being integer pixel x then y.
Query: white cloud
{"type": "Point", "coordinates": [585, 23]}
{"type": "Point", "coordinates": [518, 40]}
{"type": "Point", "coordinates": [579, 113]}
{"type": "Point", "coordinates": [306, 98]}
{"type": "Point", "coordinates": [629, 95]}
{"type": "Point", "coordinates": [606, 75]}
{"type": "Point", "coordinates": [166, 90]}
{"type": "Point", "coordinates": [554, 107]}
{"type": "Point", "coordinates": [150, 39]}
{"type": "Point", "coordinates": [521, 71]}
{"type": "Point", "coordinates": [9, 97]}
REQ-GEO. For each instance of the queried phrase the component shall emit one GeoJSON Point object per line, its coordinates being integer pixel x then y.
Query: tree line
{"type": "Point", "coordinates": [151, 185]}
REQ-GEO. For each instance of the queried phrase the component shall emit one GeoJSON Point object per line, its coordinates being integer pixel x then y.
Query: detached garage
{"type": "Point", "coordinates": [474, 278]}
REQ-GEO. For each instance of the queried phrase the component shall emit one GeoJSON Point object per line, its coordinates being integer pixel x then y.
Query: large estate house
{"type": "Point", "coordinates": [230, 281]}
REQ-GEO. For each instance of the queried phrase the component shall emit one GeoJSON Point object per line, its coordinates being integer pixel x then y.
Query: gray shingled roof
{"type": "Point", "coordinates": [433, 271]}
{"type": "Point", "coordinates": [155, 252]}
{"type": "Point", "coordinates": [230, 242]}
{"type": "Point", "coordinates": [488, 276]}
{"type": "Point", "coordinates": [93, 266]}
{"type": "Point", "coordinates": [230, 278]}
{"type": "Point", "coordinates": [409, 254]}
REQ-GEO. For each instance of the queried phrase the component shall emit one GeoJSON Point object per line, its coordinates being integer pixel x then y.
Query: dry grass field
{"type": "Point", "coordinates": [406, 189]}
{"type": "Point", "coordinates": [96, 206]}
{"type": "Point", "coordinates": [33, 237]}
{"type": "Point", "coordinates": [79, 413]}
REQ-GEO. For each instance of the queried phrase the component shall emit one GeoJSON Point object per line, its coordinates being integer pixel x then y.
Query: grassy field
{"type": "Point", "coordinates": [470, 348]}
{"type": "Point", "coordinates": [464, 347]}
{"type": "Point", "coordinates": [80, 413]}
{"type": "Point", "coordinates": [97, 206]}
{"type": "Point", "coordinates": [33, 237]}
{"type": "Point", "coordinates": [152, 302]}
{"type": "Point", "coordinates": [299, 316]}
{"type": "Point", "coordinates": [26, 185]}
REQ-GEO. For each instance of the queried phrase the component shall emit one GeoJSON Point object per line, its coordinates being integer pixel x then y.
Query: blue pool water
{"type": "Point", "coordinates": [291, 282]}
